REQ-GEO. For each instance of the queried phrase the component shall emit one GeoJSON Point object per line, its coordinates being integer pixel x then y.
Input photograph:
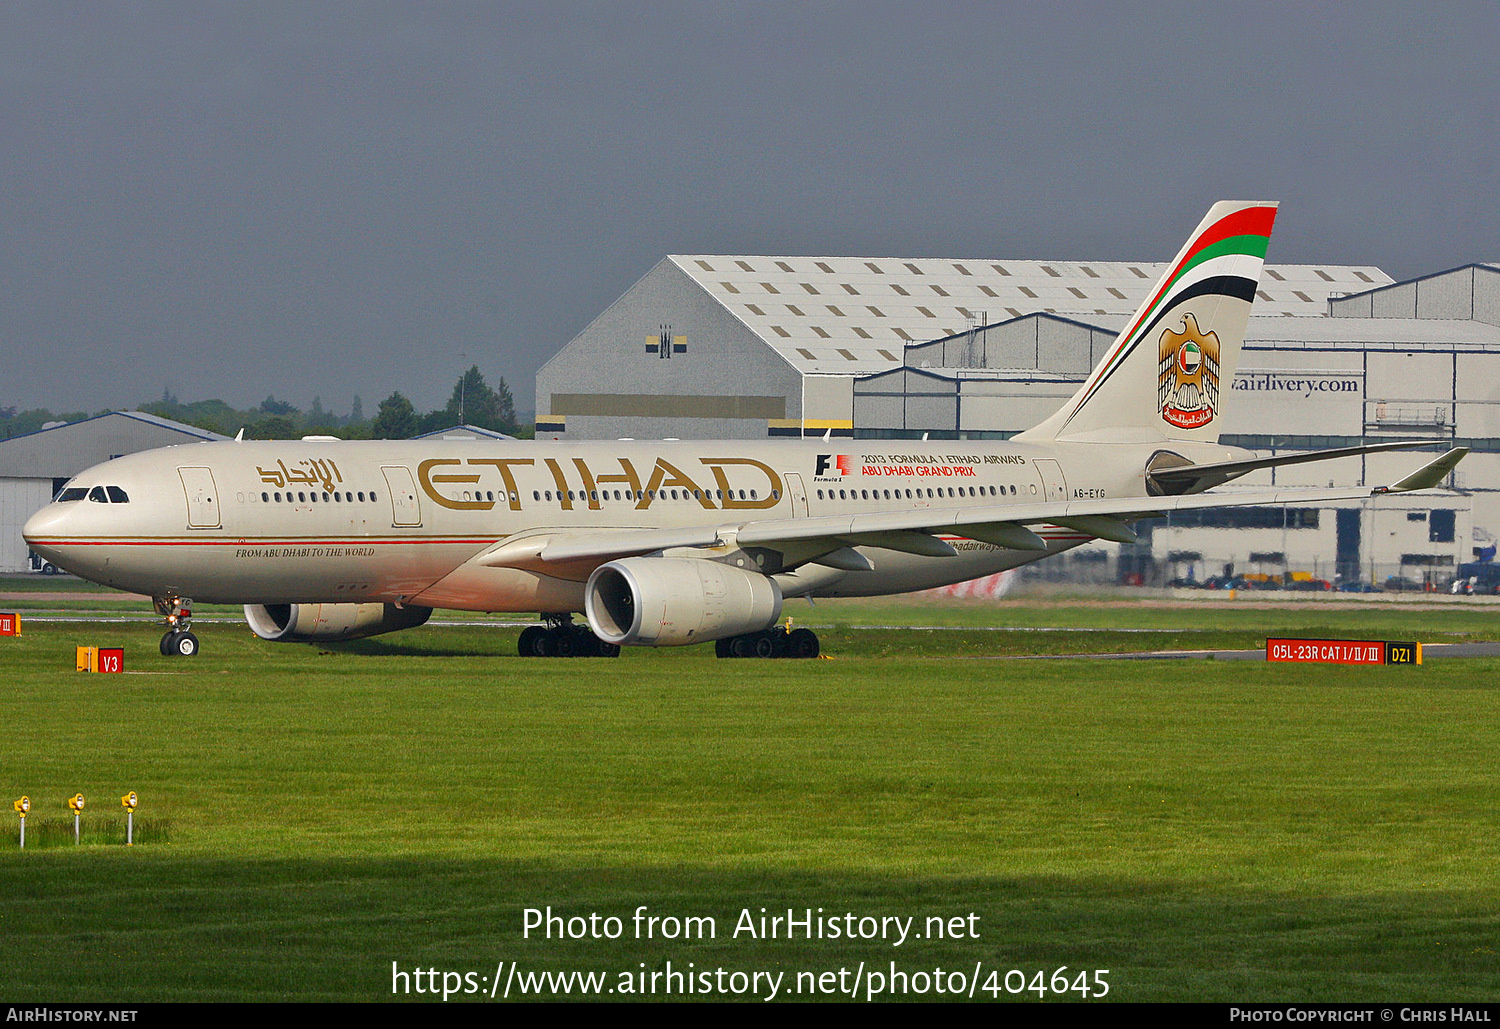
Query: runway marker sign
{"type": "Point", "coordinates": [1344, 652]}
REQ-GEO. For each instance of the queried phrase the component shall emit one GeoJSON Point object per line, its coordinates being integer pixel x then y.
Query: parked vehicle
{"type": "Point", "coordinates": [1481, 577]}
{"type": "Point", "coordinates": [1401, 584]}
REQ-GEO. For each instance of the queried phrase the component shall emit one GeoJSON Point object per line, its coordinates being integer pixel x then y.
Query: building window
{"type": "Point", "coordinates": [1440, 527]}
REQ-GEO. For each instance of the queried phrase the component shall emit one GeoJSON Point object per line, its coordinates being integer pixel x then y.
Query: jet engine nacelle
{"type": "Point", "coordinates": [305, 623]}
{"type": "Point", "coordinates": [669, 602]}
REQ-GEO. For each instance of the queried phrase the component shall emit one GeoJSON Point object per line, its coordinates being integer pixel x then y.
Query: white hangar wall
{"type": "Point", "coordinates": [713, 378]}
{"type": "Point", "coordinates": [20, 498]}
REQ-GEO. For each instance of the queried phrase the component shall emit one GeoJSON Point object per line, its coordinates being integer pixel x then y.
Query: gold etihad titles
{"type": "Point", "coordinates": [307, 472]}
{"type": "Point", "coordinates": [576, 481]}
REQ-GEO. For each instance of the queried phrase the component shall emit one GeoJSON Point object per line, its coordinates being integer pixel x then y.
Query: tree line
{"type": "Point", "coordinates": [474, 402]}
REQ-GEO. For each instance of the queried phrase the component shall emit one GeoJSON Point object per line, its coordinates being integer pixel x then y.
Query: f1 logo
{"type": "Point", "coordinates": [839, 463]}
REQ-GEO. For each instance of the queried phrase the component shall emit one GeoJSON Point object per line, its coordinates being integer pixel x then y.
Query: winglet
{"type": "Point", "coordinates": [1430, 474]}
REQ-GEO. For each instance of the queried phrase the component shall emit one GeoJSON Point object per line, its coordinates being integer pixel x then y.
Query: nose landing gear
{"type": "Point", "coordinates": [177, 613]}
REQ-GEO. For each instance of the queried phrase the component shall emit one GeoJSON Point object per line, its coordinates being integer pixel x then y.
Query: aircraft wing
{"type": "Point", "coordinates": [919, 531]}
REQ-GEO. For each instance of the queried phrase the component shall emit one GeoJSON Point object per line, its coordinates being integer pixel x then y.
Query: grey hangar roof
{"type": "Point", "coordinates": [854, 315]}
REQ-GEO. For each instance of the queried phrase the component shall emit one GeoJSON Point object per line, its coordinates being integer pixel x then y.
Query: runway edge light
{"type": "Point", "coordinates": [128, 802]}
{"type": "Point", "coordinates": [22, 806]}
{"type": "Point", "coordinates": [76, 803]}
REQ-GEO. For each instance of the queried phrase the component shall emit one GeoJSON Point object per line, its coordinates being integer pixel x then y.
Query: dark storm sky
{"type": "Point", "coordinates": [326, 199]}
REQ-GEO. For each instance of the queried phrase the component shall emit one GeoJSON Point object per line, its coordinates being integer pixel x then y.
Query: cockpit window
{"type": "Point", "coordinates": [72, 493]}
{"type": "Point", "coordinates": [97, 495]}
{"type": "Point", "coordinates": [116, 495]}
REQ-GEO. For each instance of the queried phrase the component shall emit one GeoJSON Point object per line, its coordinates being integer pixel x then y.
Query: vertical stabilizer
{"type": "Point", "coordinates": [1163, 376]}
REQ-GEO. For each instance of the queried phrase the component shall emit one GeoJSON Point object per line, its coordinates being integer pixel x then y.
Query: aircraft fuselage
{"type": "Point", "coordinates": [406, 522]}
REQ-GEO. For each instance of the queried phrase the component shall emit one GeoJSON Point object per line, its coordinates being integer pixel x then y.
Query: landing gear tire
{"type": "Point", "coordinates": [802, 643]}
{"type": "Point", "coordinates": [179, 644]}
{"type": "Point", "coordinates": [562, 638]}
{"type": "Point", "coordinates": [533, 641]}
{"type": "Point", "coordinates": [774, 642]}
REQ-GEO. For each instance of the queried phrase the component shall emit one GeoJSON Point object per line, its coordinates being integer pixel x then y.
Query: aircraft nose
{"type": "Point", "coordinates": [42, 529]}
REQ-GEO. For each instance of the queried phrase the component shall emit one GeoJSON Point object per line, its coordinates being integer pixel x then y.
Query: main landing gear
{"type": "Point", "coordinates": [562, 638]}
{"type": "Point", "coordinates": [777, 641]}
{"type": "Point", "coordinates": [177, 613]}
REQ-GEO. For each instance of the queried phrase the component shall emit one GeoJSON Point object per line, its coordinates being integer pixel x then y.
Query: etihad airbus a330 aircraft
{"type": "Point", "coordinates": [670, 543]}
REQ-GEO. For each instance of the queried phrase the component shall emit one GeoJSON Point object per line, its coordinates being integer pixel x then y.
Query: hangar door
{"type": "Point", "coordinates": [202, 497]}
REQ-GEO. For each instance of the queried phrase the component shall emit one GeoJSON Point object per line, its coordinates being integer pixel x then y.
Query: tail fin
{"type": "Point", "coordinates": [1161, 378]}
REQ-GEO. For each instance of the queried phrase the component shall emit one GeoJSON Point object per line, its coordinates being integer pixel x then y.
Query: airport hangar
{"type": "Point", "coordinates": [712, 346]}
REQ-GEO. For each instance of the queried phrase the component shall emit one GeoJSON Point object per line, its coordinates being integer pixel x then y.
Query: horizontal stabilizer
{"type": "Point", "coordinates": [1175, 480]}
{"type": "Point", "coordinates": [1429, 475]}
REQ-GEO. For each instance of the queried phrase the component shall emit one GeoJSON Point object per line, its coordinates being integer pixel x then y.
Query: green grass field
{"type": "Point", "coordinates": [1203, 830]}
